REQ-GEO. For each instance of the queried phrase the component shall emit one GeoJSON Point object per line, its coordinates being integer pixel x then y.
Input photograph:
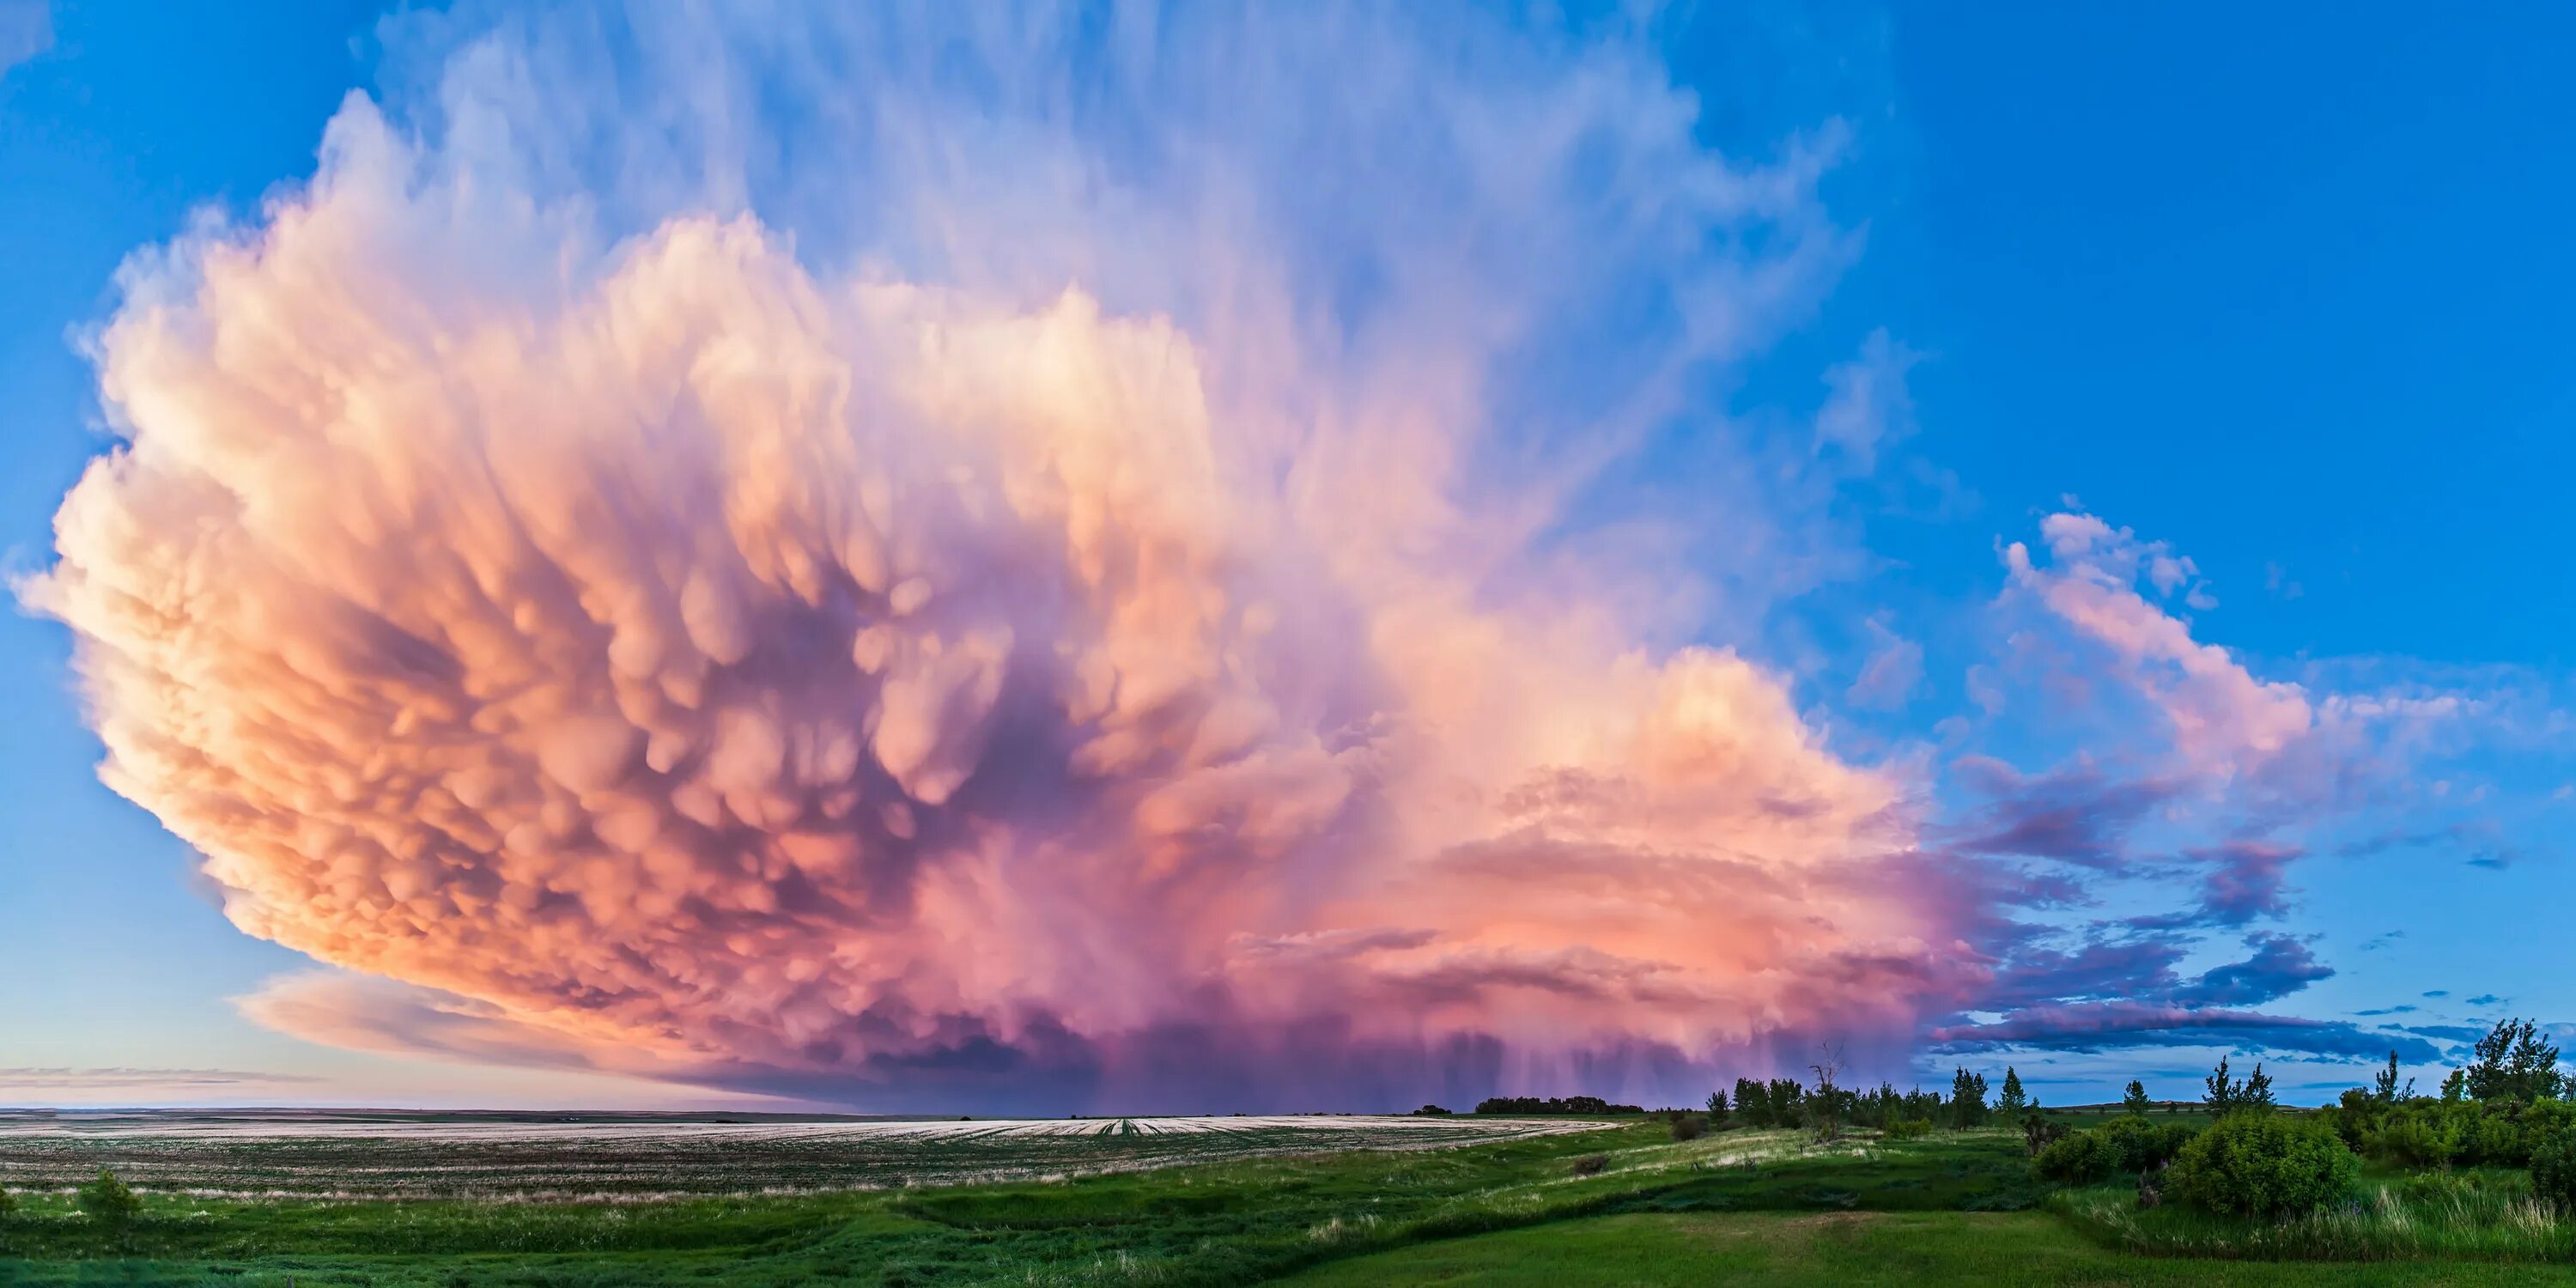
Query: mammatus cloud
{"type": "Point", "coordinates": [678, 650]}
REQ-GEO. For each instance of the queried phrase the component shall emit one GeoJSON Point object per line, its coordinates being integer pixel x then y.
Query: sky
{"type": "Point", "coordinates": [1089, 558]}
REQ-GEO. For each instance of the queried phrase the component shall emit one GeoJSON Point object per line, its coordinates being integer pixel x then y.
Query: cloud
{"type": "Point", "coordinates": [2279, 967]}
{"type": "Point", "coordinates": [2485, 999]}
{"type": "Point", "coordinates": [757, 625]}
{"type": "Point", "coordinates": [2224, 721]}
{"type": "Point", "coordinates": [1888, 680]}
{"type": "Point", "coordinates": [2096, 971]}
{"type": "Point", "coordinates": [115, 1078]}
{"type": "Point", "coordinates": [2102, 1026]}
{"type": "Point", "coordinates": [1867, 403]}
{"type": "Point", "coordinates": [26, 31]}
{"type": "Point", "coordinates": [2079, 814]}
{"type": "Point", "coordinates": [2448, 1032]}
{"type": "Point", "coordinates": [2245, 881]}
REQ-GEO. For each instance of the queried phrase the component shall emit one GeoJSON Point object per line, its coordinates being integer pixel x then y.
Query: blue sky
{"type": "Point", "coordinates": [2277, 291]}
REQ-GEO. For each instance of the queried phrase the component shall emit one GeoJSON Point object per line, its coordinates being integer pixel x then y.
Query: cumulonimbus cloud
{"type": "Point", "coordinates": [651, 649]}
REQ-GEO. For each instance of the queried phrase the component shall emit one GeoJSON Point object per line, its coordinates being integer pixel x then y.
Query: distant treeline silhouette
{"type": "Point", "coordinates": [1553, 1105]}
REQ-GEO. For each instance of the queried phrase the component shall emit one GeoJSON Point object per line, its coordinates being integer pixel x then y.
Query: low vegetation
{"type": "Point", "coordinates": [1779, 1181]}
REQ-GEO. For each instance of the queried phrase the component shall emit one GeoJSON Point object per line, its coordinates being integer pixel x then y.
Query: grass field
{"type": "Point", "coordinates": [1858, 1249]}
{"type": "Point", "coordinates": [327, 1155]}
{"type": "Point", "coordinates": [1173, 1202]}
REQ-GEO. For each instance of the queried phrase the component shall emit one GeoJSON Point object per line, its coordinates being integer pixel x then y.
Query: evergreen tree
{"type": "Point", "coordinates": [1967, 1098]}
{"type": "Point", "coordinates": [1752, 1103]}
{"type": "Point", "coordinates": [1786, 1096]}
{"type": "Point", "coordinates": [2135, 1098]}
{"type": "Point", "coordinates": [2385, 1090]}
{"type": "Point", "coordinates": [2224, 1093]}
{"type": "Point", "coordinates": [1717, 1108]}
{"type": "Point", "coordinates": [2012, 1100]}
{"type": "Point", "coordinates": [2514, 1064]}
{"type": "Point", "coordinates": [2455, 1086]}
{"type": "Point", "coordinates": [2257, 1093]}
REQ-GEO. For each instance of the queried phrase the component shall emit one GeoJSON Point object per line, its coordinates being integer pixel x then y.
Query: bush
{"type": "Point", "coordinates": [1431, 1111]}
{"type": "Point", "coordinates": [2138, 1145]}
{"type": "Point", "coordinates": [2425, 1134]}
{"type": "Point", "coordinates": [2078, 1158]}
{"type": "Point", "coordinates": [2265, 1165]}
{"type": "Point", "coordinates": [1688, 1126]}
{"type": "Point", "coordinates": [2038, 1132]}
{"type": "Point", "coordinates": [1909, 1129]}
{"type": "Point", "coordinates": [8, 1203]}
{"type": "Point", "coordinates": [1591, 1164]}
{"type": "Point", "coordinates": [107, 1198]}
{"type": "Point", "coordinates": [2553, 1170]}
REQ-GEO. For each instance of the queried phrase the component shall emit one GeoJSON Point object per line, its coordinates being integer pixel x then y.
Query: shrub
{"type": "Point", "coordinates": [2423, 1134]}
{"type": "Point", "coordinates": [1688, 1126]}
{"type": "Point", "coordinates": [8, 1203]}
{"type": "Point", "coordinates": [2553, 1170]}
{"type": "Point", "coordinates": [1431, 1111]}
{"type": "Point", "coordinates": [2138, 1145]}
{"type": "Point", "coordinates": [1591, 1164]}
{"type": "Point", "coordinates": [2039, 1132]}
{"type": "Point", "coordinates": [1909, 1128]}
{"type": "Point", "coordinates": [2262, 1164]}
{"type": "Point", "coordinates": [2442, 1189]}
{"type": "Point", "coordinates": [2078, 1158]}
{"type": "Point", "coordinates": [108, 1199]}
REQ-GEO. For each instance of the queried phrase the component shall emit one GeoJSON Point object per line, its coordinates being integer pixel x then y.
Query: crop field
{"type": "Point", "coordinates": [323, 1155]}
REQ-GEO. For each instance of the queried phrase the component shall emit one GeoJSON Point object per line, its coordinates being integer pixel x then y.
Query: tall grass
{"type": "Point", "coordinates": [2470, 1216]}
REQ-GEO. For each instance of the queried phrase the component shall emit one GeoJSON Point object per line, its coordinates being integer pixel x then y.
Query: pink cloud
{"type": "Point", "coordinates": [668, 659]}
{"type": "Point", "coordinates": [2224, 720]}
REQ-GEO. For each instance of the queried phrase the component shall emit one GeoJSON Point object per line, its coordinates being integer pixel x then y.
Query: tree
{"type": "Point", "coordinates": [1967, 1098]}
{"type": "Point", "coordinates": [2135, 1098]}
{"type": "Point", "coordinates": [2455, 1086]}
{"type": "Point", "coordinates": [1752, 1104]}
{"type": "Point", "coordinates": [2012, 1100]}
{"type": "Point", "coordinates": [1825, 1107]}
{"type": "Point", "coordinates": [2257, 1093]}
{"type": "Point", "coordinates": [1785, 1093]}
{"type": "Point", "coordinates": [2384, 1088]}
{"type": "Point", "coordinates": [108, 1199]}
{"type": "Point", "coordinates": [1717, 1108]}
{"type": "Point", "coordinates": [2513, 1064]}
{"type": "Point", "coordinates": [2224, 1092]}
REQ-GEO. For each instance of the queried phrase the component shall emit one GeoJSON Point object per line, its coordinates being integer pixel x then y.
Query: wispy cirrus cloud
{"type": "Point", "coordinates": [24, 1077]}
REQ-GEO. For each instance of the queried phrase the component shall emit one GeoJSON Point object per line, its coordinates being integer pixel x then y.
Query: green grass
{"type": "Point", "coordinates": [1219, 1223]}
{"type": "Point", "coordinates": [2474, 1215]}
{"type": "Point", "coordinates": [1849, 1249]}
{"type": "Point", "coordinates": [1765, 1205]}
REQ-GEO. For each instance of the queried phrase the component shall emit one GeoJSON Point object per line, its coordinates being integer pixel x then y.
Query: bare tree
{"type": "Point", "coordinates": [1825, 1104]}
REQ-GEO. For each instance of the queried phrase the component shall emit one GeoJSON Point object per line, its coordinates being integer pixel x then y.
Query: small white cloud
{"type": "Point", "coordinates": [26, 30]}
